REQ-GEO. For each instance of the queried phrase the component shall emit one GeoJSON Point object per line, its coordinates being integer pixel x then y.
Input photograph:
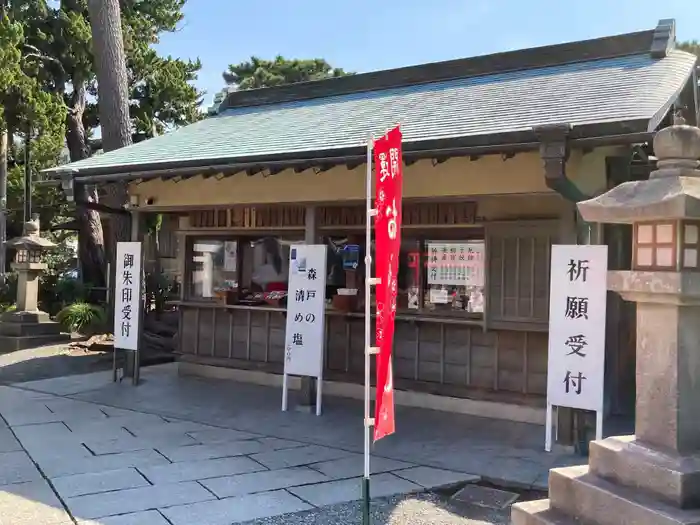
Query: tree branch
{"type": "Point", "coordinates": [35, 52]}
{"type": "Point", "coordinates": [102, 208]}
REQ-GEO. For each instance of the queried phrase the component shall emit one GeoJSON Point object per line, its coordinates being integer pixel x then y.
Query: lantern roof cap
{"type": "Point", "coordinates": [667, 198]}
{"type": "Point", "coordinates": [672, 191]}
{"type": "Point", "coordinates": [31, 238]}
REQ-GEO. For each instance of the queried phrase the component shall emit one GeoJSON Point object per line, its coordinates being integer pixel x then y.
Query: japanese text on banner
{"type": "Point", "coordinates": [577, 327]}
{"type": "Point", "coordinates": [305, 310]}
{"type": "Point", "coordinates": [456, 263]}
{"type": "Point", "coordinates": [389, 180]}
{"type": "Point", "coordinates": [127, 295]}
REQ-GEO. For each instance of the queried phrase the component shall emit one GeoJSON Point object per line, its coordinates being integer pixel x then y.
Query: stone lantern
{"type": "Point", "coordinates": [652, 477]}
{"type": "Point", "coordinates": [28, 326]}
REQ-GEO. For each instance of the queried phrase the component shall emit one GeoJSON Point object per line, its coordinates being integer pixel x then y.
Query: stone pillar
{"type": "Point", "coordinates": [28, 291]}
{"type": "Point", "coordinates": [652, 477]}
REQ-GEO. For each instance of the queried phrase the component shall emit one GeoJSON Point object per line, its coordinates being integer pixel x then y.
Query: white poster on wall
{"type": "Point", "coordinates": [456, 263]}
{"type": "Point", "coordinates": [306, 308]}
{"type": "Point", "coordinates": [127, 296]}
{"type": "Point", "coordinates": [577, 310]}
{"type": "Point", "coordinates": [230, 256]}
{"type": "Point", "coordinates": [203, 277]}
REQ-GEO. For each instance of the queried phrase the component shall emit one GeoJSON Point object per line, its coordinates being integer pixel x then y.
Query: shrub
{"type": "Point", "coordinates": [82, 317]}
{"type": "Point", "coordinates": [56, 292]}
{"type": "Point", "coordinates": [8, 289]}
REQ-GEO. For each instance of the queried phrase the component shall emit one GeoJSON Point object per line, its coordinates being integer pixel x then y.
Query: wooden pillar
{"type": "Point", "coordinates": [181, 253]}
{"type": "Point", "coordinates": [621, 327]}
{"type": "Point", "coordinates": [135, 225]}
{"type": "Point", "coordinates": [308, 384]}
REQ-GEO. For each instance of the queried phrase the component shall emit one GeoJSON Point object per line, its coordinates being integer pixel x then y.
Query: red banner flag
{"type": "Point", "coordinates": [389, 182]}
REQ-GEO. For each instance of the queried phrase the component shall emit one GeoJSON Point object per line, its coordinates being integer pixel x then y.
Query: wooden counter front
{"type": "Point", "coordinates": [443, 355]}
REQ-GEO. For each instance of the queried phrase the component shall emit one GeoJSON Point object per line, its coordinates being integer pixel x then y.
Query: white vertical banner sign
{"type": "Point", "coordinates": [577, 310]}
{"type": "Point", "coordinates": [306, 308]}
{"type": "Point", "coordinates": [127, 296]}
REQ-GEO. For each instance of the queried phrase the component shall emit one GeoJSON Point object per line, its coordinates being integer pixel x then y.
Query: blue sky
{"type": "Point", "coordinates": [367, 35]}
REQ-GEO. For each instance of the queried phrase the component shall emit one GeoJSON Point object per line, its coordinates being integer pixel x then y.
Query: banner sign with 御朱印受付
{"type": "Point", "coordinates": [127, 296]}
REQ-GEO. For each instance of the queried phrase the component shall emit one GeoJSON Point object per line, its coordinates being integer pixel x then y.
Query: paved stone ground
{"type": "Point", "coordinates": [81, 449]}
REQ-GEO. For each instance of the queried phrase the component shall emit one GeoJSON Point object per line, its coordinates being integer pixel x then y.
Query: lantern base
{"type": "Point", "coordinates": [22, 330]}
{"type": "Point", "coordinates": [23, 317]}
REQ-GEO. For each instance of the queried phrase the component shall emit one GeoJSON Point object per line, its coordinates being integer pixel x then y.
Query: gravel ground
{"type": "Point", "coordinates": [423, 509]}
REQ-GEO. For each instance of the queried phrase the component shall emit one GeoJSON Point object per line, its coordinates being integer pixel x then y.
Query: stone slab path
{"type": "Point", "coordinates": [67, 457]}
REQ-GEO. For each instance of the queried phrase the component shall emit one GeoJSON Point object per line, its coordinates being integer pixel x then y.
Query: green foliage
{"type": "Point", "coordinates": [48, 201]}
{"type": "Point", "coordinates": [47, 72]}
{"type": "Point", "coordinates": [162, 92]}
{"type": "Point", "coordinates": [11, 36]}
{"type": "Point", "coordinates": [56, 292]}
{"type": "Point", "coordinates": [28, 109]}
{"type": "Point", "coordinates": [83, 318]}
{"type": "Point", "coordinates": [692, 46]}
{"type": "Point", "coordinates": [153, 223]}
{"type": "Point", "coordinates": [23, 99]}
{"type": "Point", "coordinates": [8, 293]}
{"type": "Point", "coordinates": [62, 258]}
{"type": "Point", "coordinates": [161, 89]}
{"type": "Point", "coordinates": [59, 286]}
{"type": "Point", "coordinates": [259, 73]}
{"type": "Point", "coordinates": [145, 20]}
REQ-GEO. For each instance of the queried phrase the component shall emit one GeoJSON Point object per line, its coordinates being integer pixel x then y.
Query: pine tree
{"type": "Point", "coordinates": [62, 30]}
{"type": "Point", "coordinates": [260, 73]}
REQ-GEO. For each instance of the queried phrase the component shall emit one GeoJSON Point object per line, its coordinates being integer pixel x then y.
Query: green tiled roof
{"type": "Point", "coordinates": [629, 88]}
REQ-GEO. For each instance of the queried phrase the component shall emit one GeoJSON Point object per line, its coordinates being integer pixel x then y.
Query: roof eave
{"type": "Point", "coordinates": [588, 135]}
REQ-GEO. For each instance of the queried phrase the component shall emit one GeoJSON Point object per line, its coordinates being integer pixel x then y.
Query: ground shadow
{"type": "Point", "coordinates": [32, 365]}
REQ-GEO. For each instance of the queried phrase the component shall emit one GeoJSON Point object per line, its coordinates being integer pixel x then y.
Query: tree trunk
{"type": "Point", "coordinates": [91, 250]}
{"type": "Point", "coordinates": [113, 98]}
{"type": "Point", "coordinates": [3, 205]}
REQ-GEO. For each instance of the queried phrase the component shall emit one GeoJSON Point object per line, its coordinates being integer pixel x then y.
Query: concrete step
{"type": "Point", "coordinates": [590, 499]}
{"type": "Point", "coordinates": [624, 461]}
{"type": "Point", "coordinates": [538, 512]}
{"type": "Point", "coordinates": [30, 329]}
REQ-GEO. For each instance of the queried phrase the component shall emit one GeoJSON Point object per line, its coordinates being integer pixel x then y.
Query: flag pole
{"type": "Point", "coordinates": [369, 422]}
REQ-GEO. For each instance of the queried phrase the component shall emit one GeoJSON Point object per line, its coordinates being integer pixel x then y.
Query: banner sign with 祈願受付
{"type": "Point", "coordinates": [577, 309]}
{"type": "Point", "coordinates": [388, 187]}
{"type": "Point", "coordinates": [127, 296]}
